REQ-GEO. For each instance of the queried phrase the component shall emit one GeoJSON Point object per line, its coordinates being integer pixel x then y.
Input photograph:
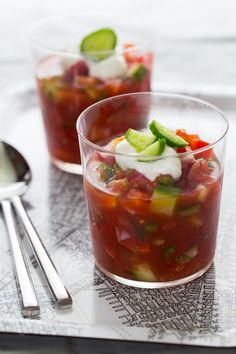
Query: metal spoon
{"type": "Point", "coordinates": [29, 303]}
{"type": "Point", "coordinates": [17, 176]}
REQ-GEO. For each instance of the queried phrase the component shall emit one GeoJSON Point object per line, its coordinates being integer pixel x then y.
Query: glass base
{"type": "Point", "coordinates": [154, 285]}
{"type": "Point", "coordinates": [67, 166]}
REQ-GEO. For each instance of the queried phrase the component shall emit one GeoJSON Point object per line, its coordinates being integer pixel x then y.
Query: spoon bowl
{"type": "Point", "coordinates": [15, 173]}
{"type": "Point", "coordinates": [15, 177]}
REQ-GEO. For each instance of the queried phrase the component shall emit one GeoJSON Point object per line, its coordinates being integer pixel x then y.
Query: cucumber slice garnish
{"type": "Point", "coordinates": [139, 140]}
{"type": "Point", "coordinates": [172, 139]}
{"type": "Point", "coordinates": [97, 45]}
{"type": "Point", "coordinates": [137, 72]}
{"type": "Point", "coordinates": [155, 150]}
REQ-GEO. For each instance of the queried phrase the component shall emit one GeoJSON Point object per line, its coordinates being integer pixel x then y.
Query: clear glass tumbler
{"type": "Point", "coordinates": [161, 231]}
{"type": "Point", "coordinates": [68, 82]}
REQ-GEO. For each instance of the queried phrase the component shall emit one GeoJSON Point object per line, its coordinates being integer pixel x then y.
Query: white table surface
{"type": "Point", "coordinates": [195, 53]}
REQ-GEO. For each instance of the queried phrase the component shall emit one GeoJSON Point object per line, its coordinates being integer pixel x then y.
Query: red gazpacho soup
{"type": "Point", "coordinates": [67, 85]}
{"type": "Point", "coordinates": [154, 204]}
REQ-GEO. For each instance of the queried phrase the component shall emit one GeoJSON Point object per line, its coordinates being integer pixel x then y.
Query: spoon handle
{"type": "Point", "coordinates": [60, 294]}
{"type": "Point", "coordinates": [30, 307]}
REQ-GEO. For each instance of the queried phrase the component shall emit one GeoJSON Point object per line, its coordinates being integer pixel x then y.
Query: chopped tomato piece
{"type": "Point", "coordinates": [205, 154]}
{"type": "Point", "coordinates": [126, 239]}
{"type": "Point", "coordinates": [106, 158]}
{"type": "Point", "coordinates": [119, 186]}
{"type": "Point", "coordinates": [128, 54]}
{"type": "Point", "coordinates": [86, 81]}
{"type": "Point", "coordinates": [136, 201]}
{"type": "Point", "coordinates": [200, 173]}
{"type": "Point", "coordinates": [180, 150]}
{"type": "Point", "coordinates": [128, 45]}
{"type": "Point", "coordinates": [138, 180]}
{"type": "Point", "coordinates": [80, 68]}
{"type": "Point", "coordinates": [137, 194]}
{"type": "Point", "coordinates": [114, 87]}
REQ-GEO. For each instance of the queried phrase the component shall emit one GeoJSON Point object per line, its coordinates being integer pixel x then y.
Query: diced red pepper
{"type": "Point", "coordinates": [188, 137]}
{"type": "Point", "coordinates": [195, 143]}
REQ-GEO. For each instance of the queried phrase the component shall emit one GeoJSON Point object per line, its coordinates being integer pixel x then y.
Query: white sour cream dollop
{"type": "Point", "coordinates": [170, 166]}
{"type": "Point", "coordinates": [114, 66]}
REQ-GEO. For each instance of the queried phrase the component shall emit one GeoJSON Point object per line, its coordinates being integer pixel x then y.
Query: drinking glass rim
{"type": "Point", "coordinates": [154, 94]}
{"type": "Point", "coordinates": [72, 53]}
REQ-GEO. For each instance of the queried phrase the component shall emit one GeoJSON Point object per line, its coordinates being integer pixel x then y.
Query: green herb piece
{"type": "Point", "coordinates": [183, 258]}
{"type": "Point", "coordinates": [191, 210]}
{"type": "Point", "coordinates": [168, 190]}
{"type": "Point", "coordinates": [151, 227]}
{"type": "Point", "coordinates": [137, 72]}
{"type": "Point", "coordinates": [106, 172]}
{"type": "Point", "coordinates": [187, 255]}
{"type": "Point", "coordinates": [169, 252]}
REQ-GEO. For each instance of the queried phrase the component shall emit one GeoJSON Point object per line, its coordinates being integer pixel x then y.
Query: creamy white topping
{"type": "Point", "coordinates": [170, 166]}
{"type": "Point", "coordinates": [112, 67]}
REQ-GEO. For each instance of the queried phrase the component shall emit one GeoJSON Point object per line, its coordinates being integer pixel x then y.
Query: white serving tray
{"type": "Point", "coordinates": [202, 312]}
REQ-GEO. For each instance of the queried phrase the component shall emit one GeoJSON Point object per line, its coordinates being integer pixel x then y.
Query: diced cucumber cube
{"type": "Point", "coordinates": [203, 193]}
{"type": "Point", "coordinates": [143, 272]}
{"type": "Point", "coordinates": [164, 200]}
{"type": "Point", "coordinates": [166, 180]}
{"type": "Point", "coordinates": [51, 89]}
